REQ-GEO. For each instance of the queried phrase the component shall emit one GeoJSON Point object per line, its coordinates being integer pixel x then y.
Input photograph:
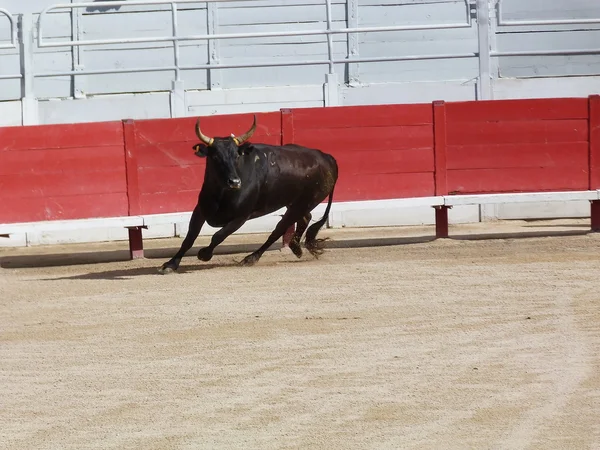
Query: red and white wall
{"type": "Point", "coordinates": [384, 153]}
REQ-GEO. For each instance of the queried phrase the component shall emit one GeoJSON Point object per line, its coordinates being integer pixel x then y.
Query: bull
{"type": "Point", "coordinates": [243, 181]}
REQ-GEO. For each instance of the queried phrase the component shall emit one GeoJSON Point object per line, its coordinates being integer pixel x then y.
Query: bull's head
{"type": "Point", "coordinates": [223, 152]}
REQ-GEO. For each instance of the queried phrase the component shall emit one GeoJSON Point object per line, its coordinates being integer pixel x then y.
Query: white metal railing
{"type": "Point", "coordinates": [534, 23]}
{"type": "Point", "coordinates": [13, 30]}
{"type": "Point", "coordinates": [175, 39]}
{"type": "Point", "coordinates": [13, 41]}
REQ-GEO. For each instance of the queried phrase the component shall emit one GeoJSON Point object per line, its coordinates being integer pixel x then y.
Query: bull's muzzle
{"type": "Point", "coordinates": [234, 183]}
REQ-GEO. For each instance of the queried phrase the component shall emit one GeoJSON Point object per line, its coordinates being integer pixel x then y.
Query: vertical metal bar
{"type": "Point", "coordinates": [493, 33]}
{"type": "Point", "coordinates": [175, 42]}
{"type": "Point", "coordinates": [212, 21]}
{"type": "Point", "coordinates": [329, 36]}
{"type": "Point", "coordinates": [78, 90]}
{"type": "Point", "coordinates": [29, 112]}
{"type": "Point", "coordinates": [352, 69]}
{"type": "Point", "coordinates": [484, 86]}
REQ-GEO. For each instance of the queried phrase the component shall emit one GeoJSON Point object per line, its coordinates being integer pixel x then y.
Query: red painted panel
{"type": "Point", "coordinates": [357, 162]}
{"type": "Point", "coordinates": [179, 154]}
{"type": "Point", "coordinates": [169, 202]}
{"type": "Point", "coordinates": [541, 131]}
{"type": "Point", "coordinates": [475, 181]}
{"type": "Point", "coordinates": [568, 154]}
{"type": "Point", "coordinates": [64, 208]}
{"type": "Point", "coordinates": [20, 186]}
{"type": "Point", "coordinates": [392, 138]}
{"type": "Point", "coordinates": [383, 186]}
{"type": "Point", "coordinates": [42, 161]}
{"type": "Point", "coordinates": [517, 110]}
{"type": "Point", "coordinates": [171, 179]}
{"type": "Point", "coordinates": [594, 105]}
{"type": "Point", "coordinates": [61, 136]}
{"type": "Point", "coordinates": [440, 139]}
{"type": "Point", "coordinates": [358, 117]}
{"type": "Point", "coordinates": [268, 128]}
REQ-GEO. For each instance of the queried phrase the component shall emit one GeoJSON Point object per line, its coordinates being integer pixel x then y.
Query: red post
{"type": "Point", "coordinates": [440, 167]}
{"type": "Point", "coordinates": [441, 221]}
{"type": "Point", "coordinates": [287, 137]}
{"type": "Point", "coordinates": [136, 243]}
{"type": "Point", "coordinates": [594, 130]}
{"type": "Point", "coordinates": [131, 167]}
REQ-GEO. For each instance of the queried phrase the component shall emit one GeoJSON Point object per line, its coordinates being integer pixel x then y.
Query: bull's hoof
{"type": "Point", "coordinates": [166, 270]}
{"type": "Point", "coordinates": [295, 248]}
{"type": "Point", "coordinates": [205, 254]}
{"type": "Point", "coordinates": [250, 260]}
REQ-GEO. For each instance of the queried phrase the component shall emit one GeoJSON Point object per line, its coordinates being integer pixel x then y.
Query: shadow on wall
{"type": "Point", "coordinates": [103, 8]}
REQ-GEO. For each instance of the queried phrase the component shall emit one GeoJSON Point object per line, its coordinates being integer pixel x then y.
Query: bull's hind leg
{"type": "Point", "coordinates": [301, 226]}
{"type": "Point", "coordinates": [289, 218]}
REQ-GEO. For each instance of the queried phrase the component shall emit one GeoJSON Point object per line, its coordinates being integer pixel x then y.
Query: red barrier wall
{"type": "Point", "coordinates": [517, 145]}
{"type": "Point", "coordinates": [392, 151]}
{"type": "Point", "coordinates": [383, 152]}
{"type": "Point", "coordinates": [62, 172]}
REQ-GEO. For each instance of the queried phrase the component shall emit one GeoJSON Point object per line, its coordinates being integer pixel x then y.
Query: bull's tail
{"type": "Point", "coordinates": [313, 245]}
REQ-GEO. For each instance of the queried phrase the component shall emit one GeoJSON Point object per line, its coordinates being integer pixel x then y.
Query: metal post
{"type": "Point", "coordinates": [484, 85]}
{"type": "Point", "coordinates": [352, 22]}
{"type": "Point", "coordinates": [177, 86]}
{"type": "Point", "coordinates": [29, 105]}
{"type": "Point", "coordinates": [331, 86]}
{"type": "Point", "coordinates": [212, 17]}
{"type": "Point", "coordinates": [77, 54]}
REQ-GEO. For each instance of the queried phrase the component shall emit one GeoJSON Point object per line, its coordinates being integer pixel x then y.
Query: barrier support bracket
{"type": "Point", "coordinates": [136, 243]}
{"type": "Point", "coordinates": [441, 221]}
{"type": "Point", "coordinates": [595, 215]}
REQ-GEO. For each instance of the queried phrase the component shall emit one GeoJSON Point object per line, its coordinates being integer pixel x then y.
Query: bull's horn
{"type": "Point", "coordinates": [208, 141]}
{"type": "Point", "coordinates": [244, 137]}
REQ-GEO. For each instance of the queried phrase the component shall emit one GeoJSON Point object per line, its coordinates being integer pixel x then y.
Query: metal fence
{"type": "Point", "coordinates": [485, 16]}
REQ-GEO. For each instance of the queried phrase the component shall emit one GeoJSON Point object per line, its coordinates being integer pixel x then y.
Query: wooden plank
{"type": "Point", "coordinates": [131, 167]}
{"type": "Point", "coordinates": [26, 186]}
{"type": "Point", "coordinates": [268, 128]}
{"type": "Point", "coordinates": [173, 154]}
{"type": "Point", "coordinates": [594, 149]}
{"type": "Point", "coordinates": [503, 156]}
{"type": "Point", "coordinates": [358, 162]}
{"type": "Point", "coordinates": [41, 161]}
{"type": "Point", "coordinates": [168, 202]}
{"type": "Point", "coordinates": [541, 131]}
{"type": "Point", "coordinates": [363, 116]}
{"type": "Point", "coordinates": [339, 139]}
{"type": "Point", "coordinates": [170, 179]}
{"type": "Point", "coordinates": [383, 186]}
{"type": "Point", "coordinates": [517, 110]}
{"type": "Point", "coordinates": [287, 126]}
{"type": "Point", "coordinates": [474, 181]}
{"type": "Point", "coordinates": [67, 207]}
{"type": "Point", "coordinates": [521, 197]}
{"type": "Point", "coordinates": [439, 149]}
{"type": "Point", "coordinates": [74, 136]}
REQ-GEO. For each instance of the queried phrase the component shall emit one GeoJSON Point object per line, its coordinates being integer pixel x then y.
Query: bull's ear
{"type": "Point", "coordinates": [200, 150]}
{"type": "Point", "coordinates": [245, 149]}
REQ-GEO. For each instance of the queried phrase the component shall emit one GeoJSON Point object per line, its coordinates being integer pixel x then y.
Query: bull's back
{"type": "Point", "coordinates": [292, 172]}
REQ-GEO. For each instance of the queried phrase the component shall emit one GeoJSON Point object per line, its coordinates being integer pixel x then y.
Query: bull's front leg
{"type": "Point", "coordinates": [206, 253]}
{"type": "Point", "coordinates": [196, 222]}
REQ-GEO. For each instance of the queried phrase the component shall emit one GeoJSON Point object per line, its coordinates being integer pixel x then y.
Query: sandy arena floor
{"type": "Point", "coordinates": [449, 344]}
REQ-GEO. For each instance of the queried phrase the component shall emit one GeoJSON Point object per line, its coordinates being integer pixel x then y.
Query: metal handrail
{"type": "Point", "coordinates": [13, 30]}
{"type": "Point", "coordinates": [175, 39]}
{"type": "Point", "coordinates": [517, 23]}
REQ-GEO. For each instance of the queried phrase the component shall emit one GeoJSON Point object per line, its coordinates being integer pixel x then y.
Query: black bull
{"type": "Point", "coordinates": [243, 181]}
